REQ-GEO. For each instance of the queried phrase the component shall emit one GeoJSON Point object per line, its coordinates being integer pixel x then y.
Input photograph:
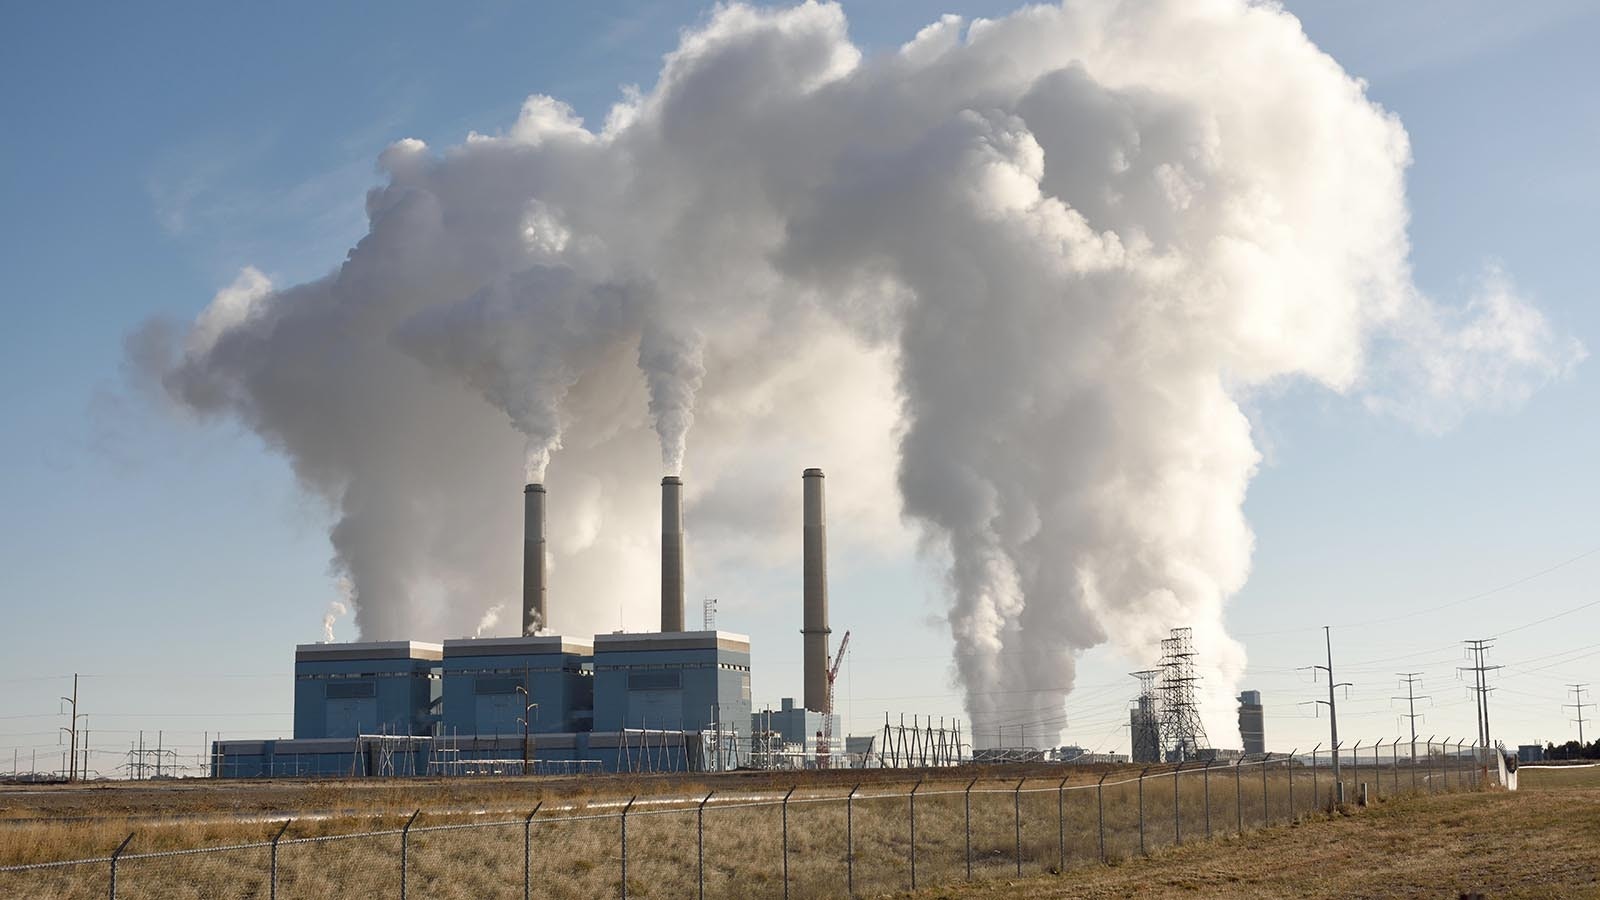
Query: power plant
{"type": "Point", "coordinates": [540, 702]}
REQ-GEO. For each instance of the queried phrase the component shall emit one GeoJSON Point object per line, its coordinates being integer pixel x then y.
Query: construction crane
{"type": "Point", "coordinates": [825, 746]}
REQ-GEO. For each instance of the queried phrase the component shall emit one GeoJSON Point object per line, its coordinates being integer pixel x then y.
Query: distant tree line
{"type": "Point", "coordinates": [1572, 750]}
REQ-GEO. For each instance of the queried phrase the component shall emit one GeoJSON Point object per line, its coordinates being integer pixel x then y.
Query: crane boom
{"type": "Point", "coordinates": [825, 746]}
{"type": "Point", "coordinates": [833, 670]}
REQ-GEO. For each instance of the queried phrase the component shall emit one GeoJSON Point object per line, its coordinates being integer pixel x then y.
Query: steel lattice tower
{"type": "Point", "coordinates": [1182, 733]}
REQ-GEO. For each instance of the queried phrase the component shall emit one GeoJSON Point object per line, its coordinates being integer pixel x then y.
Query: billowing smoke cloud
{"type": "Point", "coordinates": [1013, 280]}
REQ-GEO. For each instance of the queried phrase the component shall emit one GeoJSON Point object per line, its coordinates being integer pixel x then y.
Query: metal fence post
{"type": "Point", "coordinates": [786, 843]}
{"type": "Point", "coordinates": [1205, 781]}
{"type": "Point", "coordinates": [1238, 792]}
{"type": "Point", "coordinates": [913, 799]}
{"type": "Point", "coordinates": [1142, 850]}
{"type": "Point", "coordinates": [969, 826]}
{"type": "Point", "coordinates": [1355, 771]}
{"type": "Point", "coordinates": [1316, 796]}
{"type": "Point", "coordinates": [1266, 813]}
{"type": "Point", "coordinates": [700, 845]}
{"type": "Point", "coordinates": [1177, 834]}
{"type": "Point", "coordinates": [1288, 767]}
{"type": "Point", "coordinates": [850, 841]}
{"type": "Point", "coordinates": [272, 877]}
{"type": "Point", "coordinates": [1100, 803]}
{"type": "Point", "coordinates": [1394, 761]}
{"type": "Point", "coordinates": [527, 852]}
{"type": "Point", "coordinates": [1458, 762]}
{"type": "Point", "coordinates": [405, 837]}
{"type": "Point", "coordinates": [1061, 826]}
{"type": "Point", "coordinates": [625, 810]}
{"type": "Point", "coordinates": [1377, 768]}
{"type": "Point", "coordinates": [114, 856]}
{"type": "Point", "coordinates": [1017, 804]}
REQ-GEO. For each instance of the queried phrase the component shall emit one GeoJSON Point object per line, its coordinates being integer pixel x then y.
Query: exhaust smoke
{"type": "Point", "coordinates": [1048, 254]}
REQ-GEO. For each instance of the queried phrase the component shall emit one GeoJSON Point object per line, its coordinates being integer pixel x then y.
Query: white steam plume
{"type": "Point", "coordinates": [673, 368]}
{"type": "Point", "coordinates": [491, 618]}
{"type": "Point", "coordinates": [337, 609]}
{"type": "Point", "coordinates": [1047, 255]}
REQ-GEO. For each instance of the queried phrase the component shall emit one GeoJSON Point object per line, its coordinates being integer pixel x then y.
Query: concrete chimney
{"type": "Point", "coordinates": [815, 630]}
{"type": "Point", "coordinates": [534, 615]}
{"type": "Point", "coordinates": [671, 553]}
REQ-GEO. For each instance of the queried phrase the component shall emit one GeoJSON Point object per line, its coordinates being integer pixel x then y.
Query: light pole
{"type": "Point", "coordinates": [529, 711]}
{"type": "Point", "coordinates": [73, 731]}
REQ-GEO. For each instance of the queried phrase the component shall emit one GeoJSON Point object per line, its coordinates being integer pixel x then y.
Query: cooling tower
{"type": "Point", "coordinates": [815, 630]}
{"type": "Point", "coordinates": [671, 554]}
{"type": "Point", "coordinates": [533, 570]}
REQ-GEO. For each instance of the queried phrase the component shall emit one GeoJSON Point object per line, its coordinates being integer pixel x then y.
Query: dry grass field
{"type": "Point", "coordinates": [1542, 841]}
{"type": "Point", "coordinates": [469, 841]}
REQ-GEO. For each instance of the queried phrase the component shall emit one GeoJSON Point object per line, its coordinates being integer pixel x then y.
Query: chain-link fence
{"type": "Point", "coordinates": [793, 843]}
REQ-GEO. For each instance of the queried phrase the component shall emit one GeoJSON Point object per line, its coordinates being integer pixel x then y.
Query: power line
{"type": "Point", "coordinates": [1478, 596]}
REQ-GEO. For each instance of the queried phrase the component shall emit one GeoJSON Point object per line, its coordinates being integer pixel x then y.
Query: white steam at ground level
{"type": "Point", "coordinates": [1011, 281]}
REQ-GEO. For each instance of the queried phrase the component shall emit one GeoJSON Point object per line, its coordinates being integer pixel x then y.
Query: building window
{"type": "Point", "coordinates": [351, 690]}
{"type": "Point", "coordinates": [654, 681]}
{"type": "Point", "coordinates": [496, 685]}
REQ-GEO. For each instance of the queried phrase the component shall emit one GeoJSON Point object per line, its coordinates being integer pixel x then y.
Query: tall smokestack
{"type": "Point", "coordinates": [671, 553]}
{"type": "Point", "coordinates": [533, 573]}
{"type": "Point", "coordinates": [815, 627]}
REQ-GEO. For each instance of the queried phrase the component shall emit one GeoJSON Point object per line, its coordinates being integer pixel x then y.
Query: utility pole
{"type": "Point", "coordinates": [1481, 683]}
{"type": "Point", "coordinates": [1333, 710]}
{"type": "Point", "coordinates": [1578, 691]}
{"type": "Point", "coordinates": [1411, 699]}
{"type": "Point", "coordinates": [529, 710]}
{"type": "Point", "coordinates": [72, 769]}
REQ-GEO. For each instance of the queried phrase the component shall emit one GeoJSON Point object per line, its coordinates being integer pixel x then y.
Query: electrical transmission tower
{"type": "Point", "coordinates": [1182, 732]}
{"type": "Point", "coordinates": [1411, 699]}
{"type": "Point", "coordinates": [1480, 683]}
{"type": "Point", "coordinates": [1578, 690]}
{"type": "Point", "coordinates": [708, 614]}
{"type": "Point", "coordinates": [1144, 720]}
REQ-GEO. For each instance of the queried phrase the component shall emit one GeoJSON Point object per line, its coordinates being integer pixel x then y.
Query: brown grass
{"type": "Point", "coordinates": [577, 853]}
{"type": "Point", "coordinates": [1540, 842]}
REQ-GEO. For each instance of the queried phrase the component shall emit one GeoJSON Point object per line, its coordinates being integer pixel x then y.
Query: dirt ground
{"type": "Point", "coordinates": [1540, 842]}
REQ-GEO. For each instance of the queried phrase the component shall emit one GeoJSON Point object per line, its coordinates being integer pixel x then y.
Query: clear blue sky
{"type": "Point", "coordinates": [149, 153]}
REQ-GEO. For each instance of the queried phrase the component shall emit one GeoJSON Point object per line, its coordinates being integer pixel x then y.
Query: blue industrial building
{"type": "Point", "coordinates": [791, 725]}
{"type": "Point", "coordinates": [346, 690]}
{"type": "Point", "coordinates": [489, 683]}
{"type": "Point", "coordinates": [684, 680]}
{"type": "Point", "coordinates": [625, 702]}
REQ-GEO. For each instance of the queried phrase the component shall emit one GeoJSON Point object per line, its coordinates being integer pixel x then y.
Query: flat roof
{"type": "Point", "coordinates": [514, 646]}
{"type": "Point", "coordinates": [335, 652]}
{"type": "Point", "coordinates": [672, 640]}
